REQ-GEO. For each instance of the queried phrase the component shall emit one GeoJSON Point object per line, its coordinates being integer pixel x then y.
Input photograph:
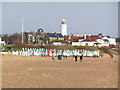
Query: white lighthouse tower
{"type": "Point", "coordinates": [63, 27]}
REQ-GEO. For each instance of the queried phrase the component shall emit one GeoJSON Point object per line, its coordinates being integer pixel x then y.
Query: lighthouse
{"type": "Point", "coordinates": [63, 27]}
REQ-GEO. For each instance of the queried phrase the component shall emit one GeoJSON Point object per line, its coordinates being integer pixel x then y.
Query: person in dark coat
{"type": "Point", "coordinates": [111, 56]}
{"type": "Point", "coordinates": [81, 58]}
{"type": "Point", "coordinates": [75, 58]}
{"type": "Point", "coordinates": [66, 56]}
{"type": "Point", "coordinates": [59, 57]}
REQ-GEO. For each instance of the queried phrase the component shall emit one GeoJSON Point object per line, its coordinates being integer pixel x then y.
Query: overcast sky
{"type": "Point", "coordinates": [87, 17]}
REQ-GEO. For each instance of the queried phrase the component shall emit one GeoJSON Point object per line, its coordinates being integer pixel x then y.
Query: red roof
{"type": "Point", "coordinates": [95, 37]}
{"type": "Point", "coordinates": [73, 38]}
{"type": "Point", "coordinates": [76, 38]}
{"type": "Point", "coordinates": [92, 38]}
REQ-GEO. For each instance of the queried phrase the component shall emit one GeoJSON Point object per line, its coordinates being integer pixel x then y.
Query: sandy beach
{"type": "Point", "coordinates": [43, 72]}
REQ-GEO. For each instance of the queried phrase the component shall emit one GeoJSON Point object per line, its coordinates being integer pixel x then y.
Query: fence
{"type": "Point", "coordinates": [54, 52]}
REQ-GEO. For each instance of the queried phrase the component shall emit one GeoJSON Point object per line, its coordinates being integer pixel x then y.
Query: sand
{"type": "Point", "coordinates": [43, 72]}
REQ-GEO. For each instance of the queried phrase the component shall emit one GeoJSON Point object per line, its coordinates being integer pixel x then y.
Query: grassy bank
{"type": "Point", "coordinates": [23, 45]}
{"type": "Point", "coordinates": [18, 46]}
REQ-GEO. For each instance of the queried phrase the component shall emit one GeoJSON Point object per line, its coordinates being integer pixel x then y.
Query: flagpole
{"type": "Point", "coordinates": [22, 29]}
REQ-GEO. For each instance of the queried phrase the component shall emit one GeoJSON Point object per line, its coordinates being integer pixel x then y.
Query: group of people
{"type": "Point", "coordinates": [75, 57]}
{"type": "Point", "coordinates": [59, 57]}
{"type": "Point", "coordinates": [81, 58]}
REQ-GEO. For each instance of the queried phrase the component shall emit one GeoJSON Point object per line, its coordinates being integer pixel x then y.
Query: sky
{"type": "Point", "coordinates": [81, 17]}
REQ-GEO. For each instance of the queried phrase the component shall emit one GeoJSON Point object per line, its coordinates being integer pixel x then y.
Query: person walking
{"type": "Point", "coordinates": [76, 58]}
{"type": "Point", "coordinates": [53, 57]}
{"type": "Point", "coordinates": [59, 57]}
{"type": "Point", "coordinates": [53, 51]}
{"type": "Point", "coordinates": [111, 56]}
{"type": "Point", "coordinates": [81, 58]}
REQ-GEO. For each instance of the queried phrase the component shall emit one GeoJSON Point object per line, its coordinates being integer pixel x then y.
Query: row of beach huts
{"type": "Point", "coordinates": [53, 52]}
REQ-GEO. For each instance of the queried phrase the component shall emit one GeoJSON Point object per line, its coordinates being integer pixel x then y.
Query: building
{"type": "Point", "coordinates": [59, 42]}
{"type": "Point", "coordinates": [118, 42]}
{"type": "Point", "coordinates": [86, 40]}
{"type": "Point", "coordinates": [106, 41]}
{"type": "Point", "coordinates": [29, 36]}
{"type": "Point", "coordinates": [49, 37]}
{"type": "Point", "coordinates": [39, 37]}
{"type": "Point", "coordinates": [112, 40]}
{"type": "Point", "coordinates": [2, 42]}
{"type": "Point", "coordinates": [73, 38]}
{"type": "Point", "coordinates": [76, 43]}
{"type": "Point", "coordinates": [90, 40]}
{"type": "Point", "coordinates": [94, 40]}
{"type": "Point", "coordinates": [35, 37]}
{"type": "Point", "coordinates": [63, 27]}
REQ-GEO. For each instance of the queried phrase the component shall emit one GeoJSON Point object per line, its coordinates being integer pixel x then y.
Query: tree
{"type": "Point", "coordinates": [16, 37]}
{"type": "Point", "coordinates": [108, 36]}
{"type": "Point", "coordinates": [5, 38]}
{"type": "Point", "coordinates": [100, 34]}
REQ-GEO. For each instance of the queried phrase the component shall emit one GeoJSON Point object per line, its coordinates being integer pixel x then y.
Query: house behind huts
{"type": "Point", "coordinates": [50, 37]}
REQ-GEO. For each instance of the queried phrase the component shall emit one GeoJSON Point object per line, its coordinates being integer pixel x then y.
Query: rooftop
{"type": "Point", "coordinates": [55, 35]}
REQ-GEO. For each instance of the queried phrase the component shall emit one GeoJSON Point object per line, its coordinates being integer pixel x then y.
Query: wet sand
{"type": "Point", "coordinates": [43, 72]}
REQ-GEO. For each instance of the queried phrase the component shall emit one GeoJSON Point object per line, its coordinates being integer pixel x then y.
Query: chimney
{"type": "Point", "coordinates": [89, 35]}
{"type": "Point", "coordinates": [85, 36]}
{"type": "Point", "coordinates": [77, 34]}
